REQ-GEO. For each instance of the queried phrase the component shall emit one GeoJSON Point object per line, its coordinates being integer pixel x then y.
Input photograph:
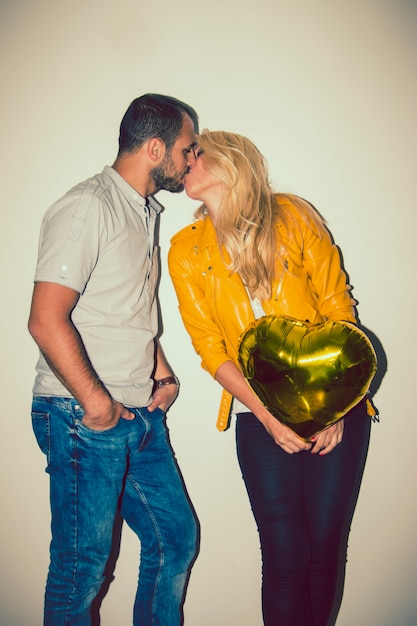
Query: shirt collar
{"type": "Point", "coordinates": [136, 200]}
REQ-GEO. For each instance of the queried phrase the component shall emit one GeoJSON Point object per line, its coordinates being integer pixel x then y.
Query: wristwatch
{"type": "Point", "coordinates": [168, 380]}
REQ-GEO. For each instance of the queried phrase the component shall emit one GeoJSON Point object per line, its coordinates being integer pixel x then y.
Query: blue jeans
{"type": "Point", "coordinates": [93, 474]}
{"type": "Point", "coordinates": [303, 506]}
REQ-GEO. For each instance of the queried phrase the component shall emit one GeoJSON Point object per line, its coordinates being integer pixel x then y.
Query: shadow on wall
{"type": "Point", "coordinates": [382, 367]}
{"type": "Point", "coordinates": [375, 385]}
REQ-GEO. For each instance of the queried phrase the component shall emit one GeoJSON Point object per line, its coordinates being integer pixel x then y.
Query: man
{"type": "Point", "coordinates": [103, 384]}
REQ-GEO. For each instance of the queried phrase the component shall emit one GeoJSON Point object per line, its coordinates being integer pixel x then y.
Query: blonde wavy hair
{"type": "Point", "coordinates": [249, 210]}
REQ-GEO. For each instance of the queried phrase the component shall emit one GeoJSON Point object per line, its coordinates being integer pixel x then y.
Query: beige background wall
{"type": "Point", "coordinates": [327, 90]}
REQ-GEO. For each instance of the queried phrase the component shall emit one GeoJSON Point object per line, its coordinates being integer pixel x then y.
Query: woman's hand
{"type": "Point", "coordinates": [285, 437]}
{"type": "Point", "coordinates": [231, 379]}
{"type": "Point", "coordinates": [328, 439]}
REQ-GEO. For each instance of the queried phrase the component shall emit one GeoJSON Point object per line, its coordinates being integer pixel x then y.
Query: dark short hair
{"type": "Point", "coordinates": [153, 115]}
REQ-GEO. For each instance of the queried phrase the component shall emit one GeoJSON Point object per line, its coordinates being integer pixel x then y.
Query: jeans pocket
{"type": "Point", "coordinates": [92, 433]}
{"type": "Point", "coordinates": [41, 428]}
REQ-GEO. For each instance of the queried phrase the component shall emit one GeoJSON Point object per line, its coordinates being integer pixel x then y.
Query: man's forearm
{"type": "Point", "coordinates": [65, 354]}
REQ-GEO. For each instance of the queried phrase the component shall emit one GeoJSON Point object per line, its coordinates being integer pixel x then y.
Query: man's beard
{"type": "Point", "coordinates": [162, 180]}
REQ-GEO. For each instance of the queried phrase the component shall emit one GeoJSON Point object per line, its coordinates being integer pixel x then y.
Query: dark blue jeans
{"type": "Point", "coordinates": [93, 474]}
{"type": "Point", "coordinates": [303, 506]}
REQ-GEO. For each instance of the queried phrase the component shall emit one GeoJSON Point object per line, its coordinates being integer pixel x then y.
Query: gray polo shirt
{"type": "Point", "coordinates": [99, 240]}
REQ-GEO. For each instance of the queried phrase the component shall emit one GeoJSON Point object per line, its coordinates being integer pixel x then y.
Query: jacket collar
{"type": "Point", "coordinates": [207, 240]}
{"type": "Point", "coordinates": [206, 234]}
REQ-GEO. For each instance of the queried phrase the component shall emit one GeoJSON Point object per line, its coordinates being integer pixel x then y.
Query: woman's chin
{"type": "Point", "coordinates": [188, 191]}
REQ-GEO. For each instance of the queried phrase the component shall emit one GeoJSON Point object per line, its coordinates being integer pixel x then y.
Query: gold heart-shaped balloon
{"type": "Point", "coordinates": [308, 376]}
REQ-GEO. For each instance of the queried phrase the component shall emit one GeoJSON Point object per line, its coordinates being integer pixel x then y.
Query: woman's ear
{"type": "Point", "coordinates": [156, 150]}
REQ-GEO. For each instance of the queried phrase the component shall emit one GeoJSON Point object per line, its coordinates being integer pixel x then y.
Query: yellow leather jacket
{"type": "Point", "coordinates": [214, 303]}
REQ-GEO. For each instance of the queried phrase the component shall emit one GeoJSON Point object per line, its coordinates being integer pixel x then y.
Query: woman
{"type": "Point", "coordinates": [250, 253]}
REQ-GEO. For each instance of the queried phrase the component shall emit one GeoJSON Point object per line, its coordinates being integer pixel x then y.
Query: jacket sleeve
{"type": "Point", "coordinates": [327, 279]}
{"type": "Point", "coordinates": [206, 337]}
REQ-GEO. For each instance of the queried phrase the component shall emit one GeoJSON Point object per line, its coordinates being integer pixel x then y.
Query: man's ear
{"type": "Point", "coordinates": [156, 150]}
